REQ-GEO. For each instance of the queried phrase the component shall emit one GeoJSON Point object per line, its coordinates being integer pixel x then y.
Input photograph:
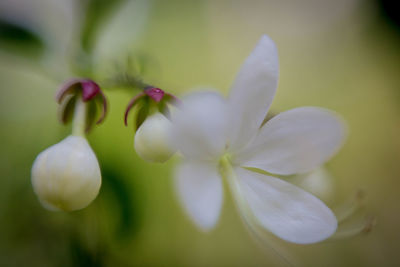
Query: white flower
{"type": "Point", "coordinates": [66, 176]}
{"type": "Point", "coordinates": [227, 138]}
{"type": "Point", "coordinates": [151, 139]}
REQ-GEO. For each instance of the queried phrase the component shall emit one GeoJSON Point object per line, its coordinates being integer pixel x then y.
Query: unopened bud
{"type": "Point", "coordinates": [66, 176]}
{"type": "Point", "coordinates": [152, 139]}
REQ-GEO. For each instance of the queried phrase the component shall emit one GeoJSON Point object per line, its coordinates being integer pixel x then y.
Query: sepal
{"type": "Point", "coordinates": [90, 93]}
{"type": "Point", "coordinates": [148, 102]}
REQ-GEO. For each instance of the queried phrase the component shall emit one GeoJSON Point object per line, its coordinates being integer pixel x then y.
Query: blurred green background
{"type": "Point", "coordinates": [343, 55]}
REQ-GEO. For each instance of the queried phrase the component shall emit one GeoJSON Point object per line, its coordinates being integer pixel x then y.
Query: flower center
{"type": "Point", "coordinates": [224, 163]}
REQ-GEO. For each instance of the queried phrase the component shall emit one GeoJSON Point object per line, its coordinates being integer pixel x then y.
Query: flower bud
{"type": "Point", "coordinates": [152, 139]}
{"type": "Point", "coordinates": [66, 176]}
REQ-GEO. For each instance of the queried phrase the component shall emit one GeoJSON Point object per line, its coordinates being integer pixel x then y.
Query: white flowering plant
{"type": "Point", "coordinates": [229, 141]}
{"type": "Point", "coordinates": [132, 59]}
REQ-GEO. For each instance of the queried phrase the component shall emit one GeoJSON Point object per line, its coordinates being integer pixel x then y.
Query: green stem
{"type": "Point", "coordinates": [79, 121]}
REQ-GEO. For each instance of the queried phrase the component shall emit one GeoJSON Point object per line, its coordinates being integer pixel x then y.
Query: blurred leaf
{"type": "Point", "coordinates": [97, 13]}
{"type": "Point", "coordinates": [43, 240]}
{"type": "Point", "coordinates": [124, 199]}
{"type": "Point", "coordinates": [82, 256]}
{"type": "Point", "coordinates": [118, 37]}
{"type": "Point", "coordinates": [390, 13]}
{"type": "Point", "coordinates": [16, 39]}
{"type": "Point", "coordinates": [141, 63]}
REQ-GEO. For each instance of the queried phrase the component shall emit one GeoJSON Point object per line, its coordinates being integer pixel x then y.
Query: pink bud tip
{"type": "Point", "coordinates": [89, 89]}
{"type": "Point", "coordinates": [154, 93]}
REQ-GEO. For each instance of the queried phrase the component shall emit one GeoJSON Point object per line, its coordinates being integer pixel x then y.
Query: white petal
{"type": "Point", "coordinates": [253, 91]}
{"type": "Point", "coordinates": [200, 190]}
{"type": "Point", "coordinates": [199, 129]}
{"type": "Point", "coordinates": [295, 141]}
{"type": "Point", "coordinates": [284, 209]}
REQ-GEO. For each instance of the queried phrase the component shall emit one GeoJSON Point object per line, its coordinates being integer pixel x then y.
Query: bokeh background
{"type": "Point", "coordinates": [343, 55]}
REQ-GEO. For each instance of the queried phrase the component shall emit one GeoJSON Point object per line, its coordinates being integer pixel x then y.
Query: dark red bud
{"type": "Point", "coordinates": [154, 93]}
{"type": "Point", "coordinates": [89, 89]}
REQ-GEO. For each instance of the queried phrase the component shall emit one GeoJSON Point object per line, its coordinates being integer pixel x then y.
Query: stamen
{"type": "Point", "coordinates": [349, 208]}
{"type": "Point", "coordinates": [362, 226]}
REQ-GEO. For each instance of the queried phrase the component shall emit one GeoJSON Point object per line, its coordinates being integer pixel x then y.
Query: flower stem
{"type": "Point", "coordinates": [79, 120]}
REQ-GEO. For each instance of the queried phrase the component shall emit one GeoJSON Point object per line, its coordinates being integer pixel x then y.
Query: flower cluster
{"type": "Point", "coordinates": [67, 176]}
{"type": "Point", "coordinates": [221, 139]}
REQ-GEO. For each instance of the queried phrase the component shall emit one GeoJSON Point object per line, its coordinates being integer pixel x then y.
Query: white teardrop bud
{"type": "Point", "coordinates": [66, 176]}
{"type": "Point", "coordinates": [152, 139]}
